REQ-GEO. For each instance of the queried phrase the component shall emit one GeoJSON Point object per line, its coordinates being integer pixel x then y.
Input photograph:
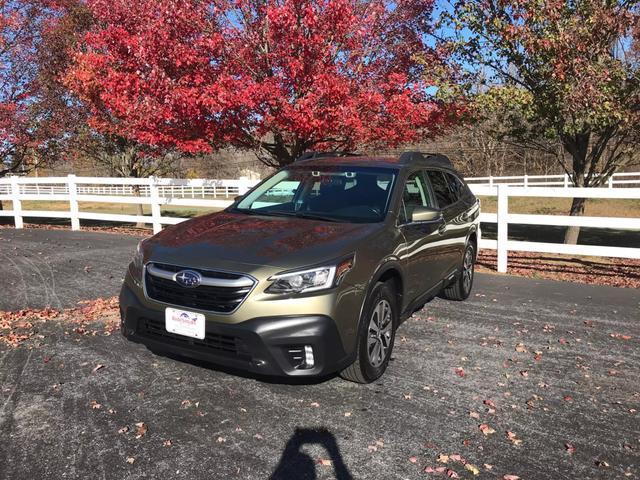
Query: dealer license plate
{"type": "Point", "coordinates": [182, 322]}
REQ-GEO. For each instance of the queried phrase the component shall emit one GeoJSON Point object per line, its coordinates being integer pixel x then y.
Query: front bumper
{"type": "Point", "coordinates": [260, 345]}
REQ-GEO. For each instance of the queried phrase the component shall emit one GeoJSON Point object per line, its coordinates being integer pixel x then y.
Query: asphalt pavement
{"type": "Point", "coordinates": [532, 378]}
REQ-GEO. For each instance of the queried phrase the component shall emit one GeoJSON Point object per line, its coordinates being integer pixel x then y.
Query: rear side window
{"type": "Point", "coordinates": [440, 185]}
{"type": "Point", "coordinates": [456, 186]}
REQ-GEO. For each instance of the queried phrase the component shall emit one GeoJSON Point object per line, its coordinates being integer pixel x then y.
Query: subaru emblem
{"type": "Point", "coordinates": [188, 278]}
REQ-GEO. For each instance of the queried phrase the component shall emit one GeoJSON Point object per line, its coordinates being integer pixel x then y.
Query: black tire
{"type": "Point", "coordinates": [461, 287]}
{"type": "Point", "coordinates": [364, 369]}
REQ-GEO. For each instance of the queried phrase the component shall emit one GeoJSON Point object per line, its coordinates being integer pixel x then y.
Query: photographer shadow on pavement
{"type": "Point", "coordinates": [295, 463]}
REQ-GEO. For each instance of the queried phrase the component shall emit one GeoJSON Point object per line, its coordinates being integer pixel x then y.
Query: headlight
{"type": "Point", "coordinates": [137, 263]}
{"type": "Point", "coordinates": [310, 280]}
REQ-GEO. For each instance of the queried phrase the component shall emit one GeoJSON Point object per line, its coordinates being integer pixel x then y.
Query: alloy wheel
{"type": "Point", "coordinates": [467, 270]}
{"type": "Point", "coordinates": [379, 333]}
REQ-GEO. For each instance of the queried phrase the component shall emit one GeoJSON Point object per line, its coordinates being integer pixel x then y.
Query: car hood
{"type": "Point", "coordinates": [226, 240]}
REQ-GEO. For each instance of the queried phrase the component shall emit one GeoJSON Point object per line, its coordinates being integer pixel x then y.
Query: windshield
{"type": "Point", "coordinates": [338, 194]}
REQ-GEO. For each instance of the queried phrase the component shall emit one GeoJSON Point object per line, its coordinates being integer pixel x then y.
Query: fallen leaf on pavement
{"type": "Point", "coordinates": [513, 438]}
{"type": "Point", "coordinates": [486, 429]}
{"type": "Point", "coordinates": [130, 460]}
{"type": "Point", "coordinates": [97, 367]}
{"type": "Point", "coordinates": [141, 429]}
{"type": "Point", "coordinates": [472, 468]}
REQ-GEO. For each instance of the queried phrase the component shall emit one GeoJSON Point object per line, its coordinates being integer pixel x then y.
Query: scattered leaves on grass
{"type": "Point", "coordinates": [413, 459]}
{"type": "Point", "coordinates": [167, 443]}
{"type": "Point", "coordinates": [124, 429]}
{"type": "Point", "coordinates": [131, 460]}
{"type": "Point", "coordinates": [510, 477]}
{"type": "Point", "coordinates": [570, 448]}
{"type": "Point", "coordinates": [460, 371]}
{"type": "Point", "coordinates": [95, 405]}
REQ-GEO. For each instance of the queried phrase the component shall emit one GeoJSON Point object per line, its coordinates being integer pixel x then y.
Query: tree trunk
{"type": "Point", "coordinates": [139, 206]}
{"type": "Point", "coordinates": [577, 209]}
{"type": "Point", "coordinates": [578, 147]}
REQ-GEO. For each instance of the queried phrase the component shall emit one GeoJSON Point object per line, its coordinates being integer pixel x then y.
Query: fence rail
{"type": "Point", "coordinates": [159, 192]}
{"type": "Point", "coordinates": [623, 179]}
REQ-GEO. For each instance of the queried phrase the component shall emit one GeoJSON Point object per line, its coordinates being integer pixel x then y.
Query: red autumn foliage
{"type": "Point", "coordinates": [281, 77]}
{"type": "Point", "coordinates": [34, 113]}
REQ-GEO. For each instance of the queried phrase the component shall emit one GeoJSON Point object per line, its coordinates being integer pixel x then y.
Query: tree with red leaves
{"type": "Point", "coordinates": [33, 111]}
{"type": "Point", "coordinates": [276, 76]}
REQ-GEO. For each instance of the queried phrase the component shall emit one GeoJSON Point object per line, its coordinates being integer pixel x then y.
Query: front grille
{"type": "Point", "coordinates": [213, 342]}
{"type": "Point", "coordinates": [219, 299]}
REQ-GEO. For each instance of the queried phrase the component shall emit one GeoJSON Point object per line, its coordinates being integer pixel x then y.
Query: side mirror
{"type": "Point", "coordinates": [426, 215]}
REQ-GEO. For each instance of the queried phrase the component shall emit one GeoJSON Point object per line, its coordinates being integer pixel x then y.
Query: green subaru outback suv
{"type": "Point", "coordinates": [312, 271]}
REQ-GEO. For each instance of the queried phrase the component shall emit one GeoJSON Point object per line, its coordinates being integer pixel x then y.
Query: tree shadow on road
{"type": "Point", "coordinates": [295, 463]}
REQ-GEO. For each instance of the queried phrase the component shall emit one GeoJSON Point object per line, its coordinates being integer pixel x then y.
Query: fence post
{"type": "Point", "coordinates": [490, 181]}
{"type": "Point", "coordinates": [503, 227]}
{"type": "Point", "coordinates": [526, 181]}
{"type": "Point", "coordinates": [156, 212]}
{"type": "Point", "coordinates": [73, 202]}
{"type": "Point", "coordinates": [17, 203]}
{"type": "Point", "coordinates": [610, 181]}
{"type": "Point", "coordinates": [566, 180]}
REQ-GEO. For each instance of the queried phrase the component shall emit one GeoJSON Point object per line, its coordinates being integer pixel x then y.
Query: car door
{"type": "Point", "coordinates": [453, 235]}
{"type": "Point", "coordinates": [421, 252]}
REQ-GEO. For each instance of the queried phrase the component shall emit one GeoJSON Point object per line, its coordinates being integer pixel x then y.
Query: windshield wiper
{"type": "Point", "coordinates": [314, 216]}
{"type": "Point", "coordinates": [311, 216]}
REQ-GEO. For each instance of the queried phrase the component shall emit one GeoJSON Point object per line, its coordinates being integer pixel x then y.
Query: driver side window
{"type": "Point", "coordinates": [415, 194]}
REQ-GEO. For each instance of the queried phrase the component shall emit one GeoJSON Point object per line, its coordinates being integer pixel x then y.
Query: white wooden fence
{"type": "Point", "coordinates": [503, 218]}
{"type": "Point", "coordinates": [623, 179]}
{"type": "Point", "coordinates": [158, 192]}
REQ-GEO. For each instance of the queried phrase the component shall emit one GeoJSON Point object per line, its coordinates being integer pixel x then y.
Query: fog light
{"type": "Point", "coordinates": [301, 357]}
{"type": "Point", "coordinates": [308, 357]}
